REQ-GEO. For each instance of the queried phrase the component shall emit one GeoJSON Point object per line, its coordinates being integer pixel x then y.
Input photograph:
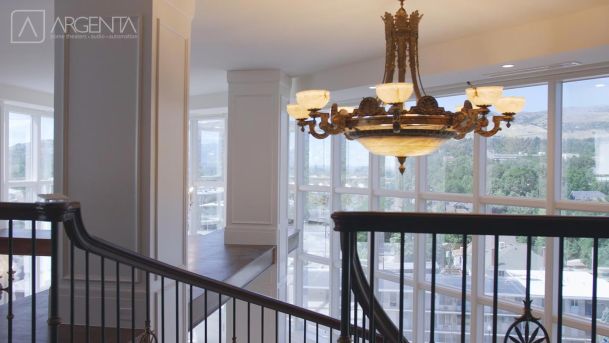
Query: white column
{"type": "Point", "coordinates": [256, 203]}
{"type": "Point", "coordinates": [121, 109]}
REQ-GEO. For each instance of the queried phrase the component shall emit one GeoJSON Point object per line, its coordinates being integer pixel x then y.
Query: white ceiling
{"type": "Point", "coordinates": [306, 36]}
{"type": "Point", "coordinates": [298, 37]}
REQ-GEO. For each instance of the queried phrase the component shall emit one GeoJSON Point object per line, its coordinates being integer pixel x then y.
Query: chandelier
{"type": "Point", "coordinates": [383, 125]}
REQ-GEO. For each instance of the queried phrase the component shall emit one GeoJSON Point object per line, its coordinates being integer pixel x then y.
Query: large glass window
{"type": "Point", "coordinates": [509, 174]}
{"type": "Point", "coordinates": [517, 159]}
{"type": "Point", "coordinates": [207, 173]}
{"type": "Point", "coordinates": [450, 169]}
{"type": "Point", "coordinates": [585, 140]}
{"type": "Point", "coordinates": [28, 153]}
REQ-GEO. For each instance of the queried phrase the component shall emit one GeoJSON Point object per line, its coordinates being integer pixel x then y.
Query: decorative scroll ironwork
{"type": "Point", "coordinates": [148, 336]}
{"type": "Point", "coordinates": [527, 328]}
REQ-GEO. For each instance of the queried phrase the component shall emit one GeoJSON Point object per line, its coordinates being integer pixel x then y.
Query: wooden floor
{"type": "Point", "coordinates": [237, 265]}
{"type": "Point", "coordinates": [209, 256]}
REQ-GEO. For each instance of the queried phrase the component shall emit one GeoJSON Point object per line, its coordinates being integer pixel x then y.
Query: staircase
{"type": "Point", "coordinates": [100, 292]}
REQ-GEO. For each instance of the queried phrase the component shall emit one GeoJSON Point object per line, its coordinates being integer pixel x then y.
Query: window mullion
{"type": "Point", "coordinates": [554, 145]}
{"type": "Point", "coordinates": [335, 205]}
{"type": "Point", "coordinates": [3, 153]}
{"type": "Point", "coordinates": [418, 297]}
{"type": "Point", "coordinates": [35, 146]}
{"type": "Point", "coordinates": [553, 194]}
{"type": "Point", "coordinates": [299, 217]}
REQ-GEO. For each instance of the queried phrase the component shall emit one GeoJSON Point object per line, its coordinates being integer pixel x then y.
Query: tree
{"type": "Point", "coordinates": [580, 174]}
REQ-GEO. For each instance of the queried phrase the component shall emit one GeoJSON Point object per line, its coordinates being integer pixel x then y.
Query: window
{"type": "Point", "coordinates": [505, 174]}
{"type": "Point", "coordinates": [27, 152]}
{"type": "Point", "coordinates": [585, 140]}
{"type": "Point", "coordinates": [207, 173]}
{"type": "Point", "coordinates": [26, 169]}
{"type": "Point", "coordinates": [516, 159]}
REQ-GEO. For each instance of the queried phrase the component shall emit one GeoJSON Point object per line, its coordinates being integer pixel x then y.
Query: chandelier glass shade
{"type": "Point", "coordinates": [383, 125]}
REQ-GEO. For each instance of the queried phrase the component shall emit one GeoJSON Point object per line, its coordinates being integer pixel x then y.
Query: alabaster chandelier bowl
{"type": "Point", "coordinates": [383, 125]}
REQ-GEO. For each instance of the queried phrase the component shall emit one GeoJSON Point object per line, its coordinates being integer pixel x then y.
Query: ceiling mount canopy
{"type": "Point", "coordinates": [383, 125]}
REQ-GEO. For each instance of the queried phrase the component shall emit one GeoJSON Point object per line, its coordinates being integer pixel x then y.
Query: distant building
{"type": "Point", "coordinates": [588, 196]}
{"type": "Point", "coordinates": [601, 145]}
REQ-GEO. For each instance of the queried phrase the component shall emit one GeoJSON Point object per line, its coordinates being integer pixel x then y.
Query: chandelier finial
{"type": "Point", "coordinates": [402, 3]}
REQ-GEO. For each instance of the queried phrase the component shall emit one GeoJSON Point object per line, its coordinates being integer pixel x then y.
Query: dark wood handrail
{"type": "Point", "coordinates": [472, 224]}
{"type": "Point", "coordinates": [76, 231]}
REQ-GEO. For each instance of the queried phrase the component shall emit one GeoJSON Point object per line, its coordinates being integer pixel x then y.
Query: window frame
{"type": "Point", "coordinates": [482, 202]}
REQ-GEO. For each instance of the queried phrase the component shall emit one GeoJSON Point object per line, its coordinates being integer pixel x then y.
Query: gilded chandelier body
{"type": "Point", "coordinates": [383, 125]}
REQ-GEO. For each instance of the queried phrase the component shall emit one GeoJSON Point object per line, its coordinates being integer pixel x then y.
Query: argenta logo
{"type": "Point", "coordinates": [94, 25]}
{"type": "Point", "coordinates": [28, 26]}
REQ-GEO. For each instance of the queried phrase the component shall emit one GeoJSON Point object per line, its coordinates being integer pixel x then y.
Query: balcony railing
{"type": "Point", "coordinates": [101, 281]}
{"type": "Point", "coordinates": [526, 328]}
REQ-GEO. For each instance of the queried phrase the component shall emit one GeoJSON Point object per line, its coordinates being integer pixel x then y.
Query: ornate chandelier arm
{"type": "Point", "coordinates": [469, 119]}
{"type": "Point", "coordinates": [329, 127]}
{"type": "Point", "coordinates": [483, 123]}
{"type": "Point", "coordinates": [313, 132]}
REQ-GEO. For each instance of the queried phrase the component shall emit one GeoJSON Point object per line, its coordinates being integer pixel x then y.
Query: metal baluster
{"type": "Point", "coordinates": [87, 317]}
{"type": "Point", "coordinates": [401, 315]}
{"type": "Point", "coordinates": [432, 322]}
{"type": "Point", "coordinates": [220, 317]}
{"type": "Point", "coordinates": [132, 304]}
{"type": "Point", "coordinates": [305, 331]}
{"type": "Point", "coordinates": [495, 286]}
{"type": "Point", "coordinates": [561, 253]}
{"type": "Point", "coordinates": [346, 287]}
{"type": "Point", "coordinates": [190, 328]}
{"type": "Point", "coordinates": [33, 314]}
{"type": "Point", "coordinates": [103, 298]}
{"type": "Point", "coordinates": [248, 322]}
{"type": "Point", "coordinates": [594, 288]}
{"type": "Point", "coordinates": [10, 315]}
{"type": "Point", "coordinates": [316, 332]}
{"type": "Point", "coordinates": [363, 326]}
{"type": "Point", "coordinates": [206, 314]}
{"type": "Point", "coordinates": [261, 324]}
{"type": "Point", "coordinates": [54, 319]}
{"type": "Point", "coordinates": [276, 326]}
{"type": "Point", "coordinates": [162, 309]}
{"type": "Point", "coordinates": [528, 277]}
{"type": "Point", "coordinates": [177, 311]}
{"type": "Point", "coordinates": [118, 303]}
{"type": "Point", "coordinates": [355, 332]}
{"type": "Point", "coordinates": [234, 320]}
{"type": "Point", "coordinates": [463, 288]}
{"type": "Point", "coordinates": [148, 334]}
{"type": "Point", "coordinates": [289, 328]}
{"type": "Point", "coordinates": [372, 298]}
{"type": "Point", "coordinates": [72, 261]}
